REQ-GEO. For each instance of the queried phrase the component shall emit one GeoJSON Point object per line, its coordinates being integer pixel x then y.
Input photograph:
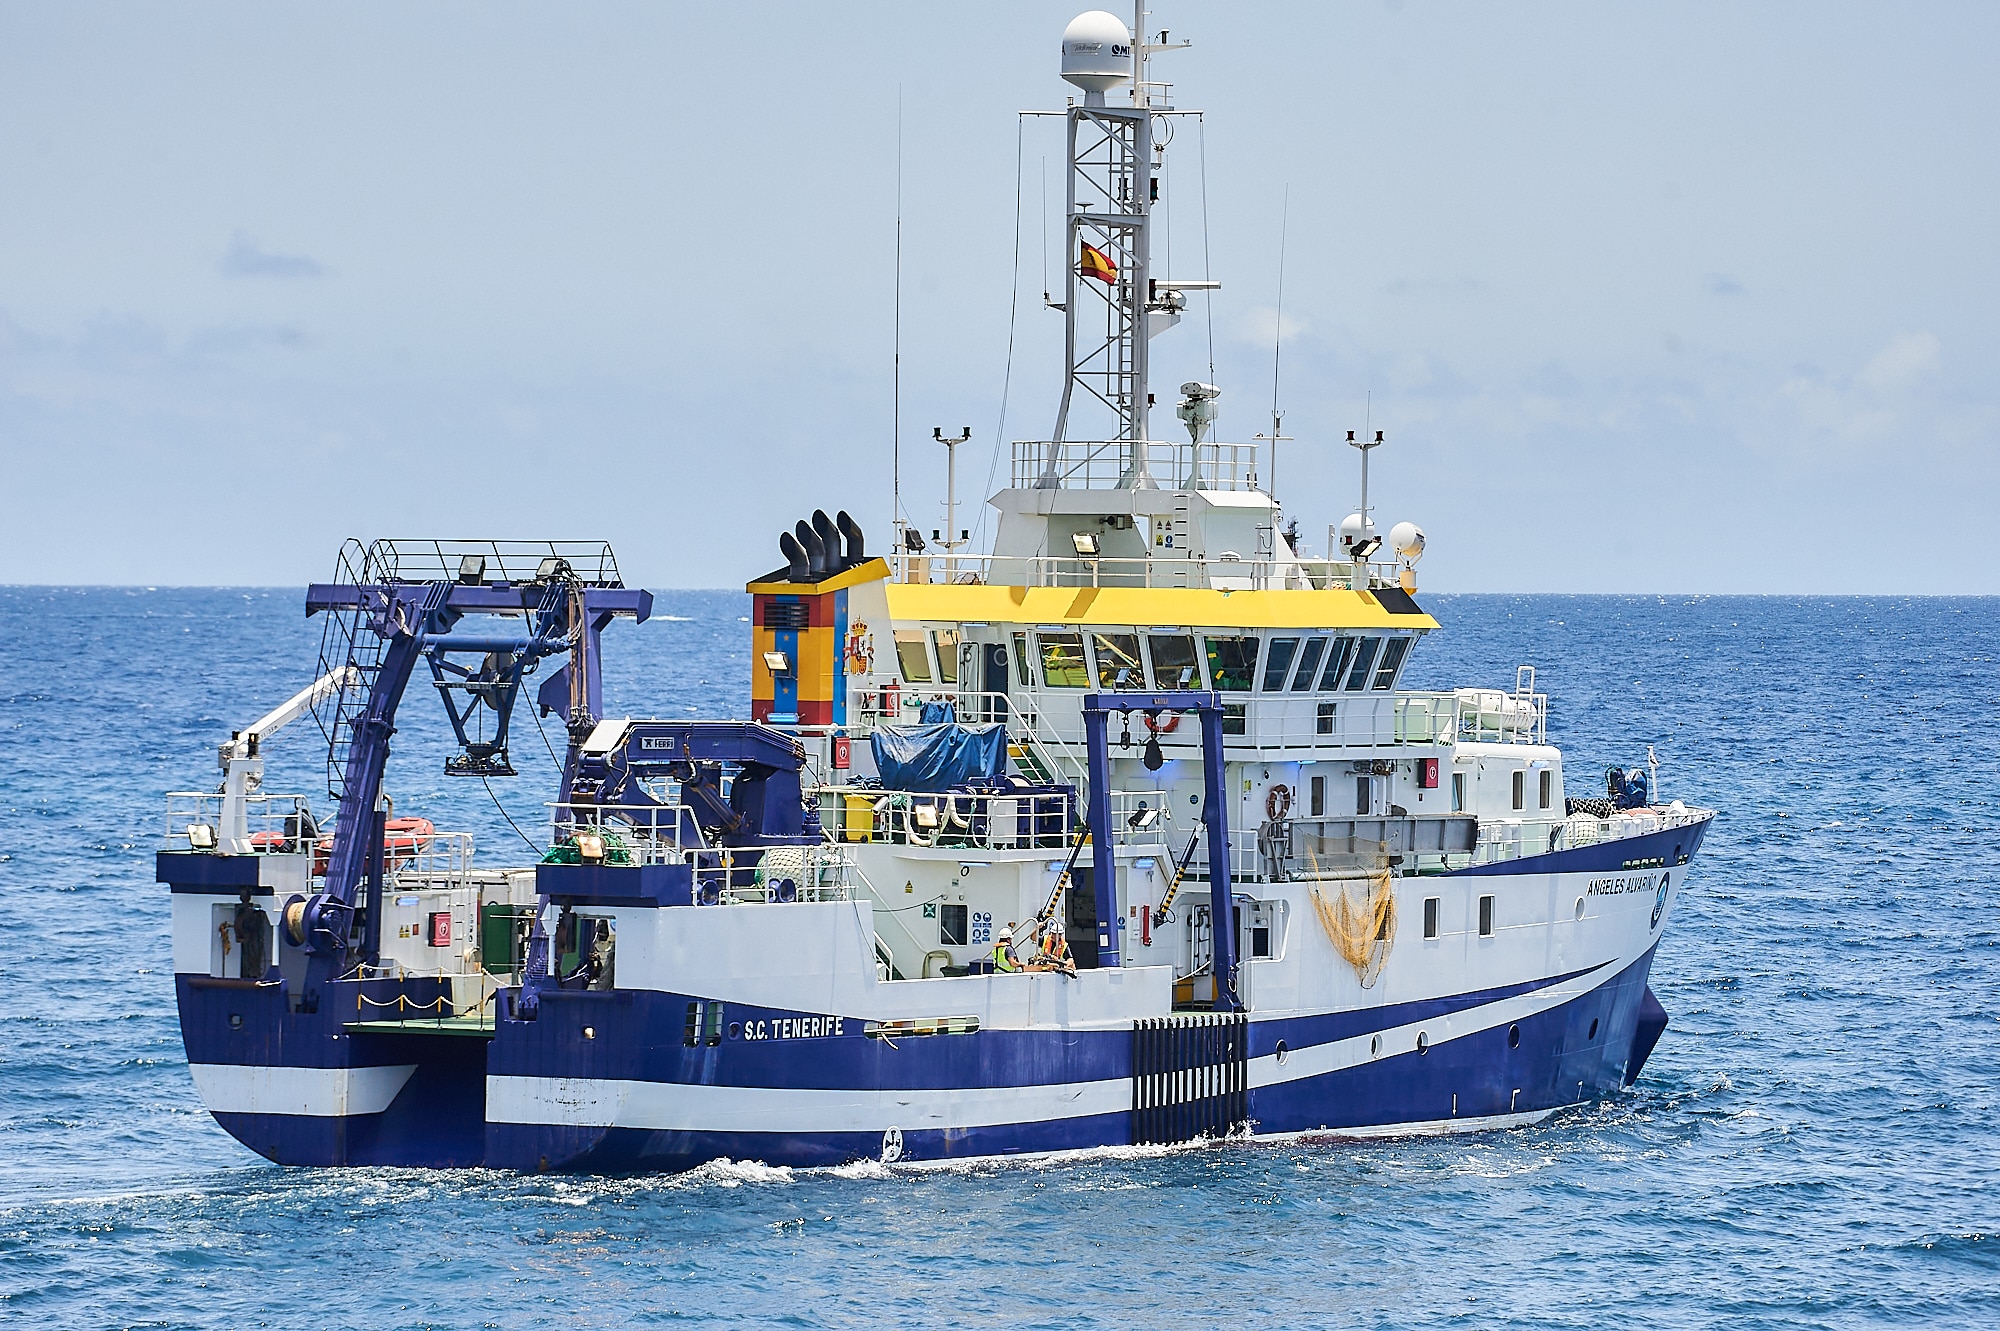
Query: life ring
{"type": "Point", "coordinates": [1278, 803]}
{"type": "Point", "coordinates": [402, 840]}
{"type": "Point", "coordinates": [1166, 726]}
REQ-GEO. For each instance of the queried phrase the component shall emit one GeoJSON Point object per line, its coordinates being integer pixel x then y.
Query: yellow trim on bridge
{"type": "Point", "coordinates": [1180, 607]}
{"type": "Point", "coordinates": [873, 570]}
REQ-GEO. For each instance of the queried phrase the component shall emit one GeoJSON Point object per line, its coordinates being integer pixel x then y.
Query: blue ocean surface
{"type": "Point", "coordinates": [1813, 1144]}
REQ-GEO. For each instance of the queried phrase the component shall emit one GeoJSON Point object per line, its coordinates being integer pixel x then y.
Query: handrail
{"type": "Point", "coordinates": [1170, 568]}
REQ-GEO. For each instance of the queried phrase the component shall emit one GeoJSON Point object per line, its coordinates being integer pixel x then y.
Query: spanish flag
{"type": "Point", "coordinates": [1096, 264]}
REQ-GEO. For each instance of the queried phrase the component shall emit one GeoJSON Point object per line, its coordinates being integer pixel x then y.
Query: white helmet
{"type": "Point", "coordinates": [1055, 928]}
{"type": "Point", "coordinates": [1006, 935]}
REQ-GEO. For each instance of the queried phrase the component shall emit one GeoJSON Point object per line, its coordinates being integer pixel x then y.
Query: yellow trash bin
{"type": "Point", "coordinates": [860, 817]}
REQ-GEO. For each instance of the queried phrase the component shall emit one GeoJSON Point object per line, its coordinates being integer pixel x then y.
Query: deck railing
{"type": "Point", "coordinates": [1168, 568]}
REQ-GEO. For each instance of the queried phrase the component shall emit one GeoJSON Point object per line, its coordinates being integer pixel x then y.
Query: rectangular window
{"type": "Point", "coordinates": [1062, 661]}
{"type": "Point", "coordinates": [1486, 917]}
{"type": "Point", "coordinates": [1336, 664]}
{"type": "Point", "coordinates": [1364, 795]}
{"type": "Point", "coordinates": [1364, 657]}
{"type": "Point", "coordinates": [1260, 941]}
{"type": "Point", "coordinates": [951, 925]}
{"type": "Point", "coordinates": [1548, 787]}
{"type": "Point", "coordinates": [1118, 663]}
{"type": "Point", "coordinates": [1232, 663]}
{"type": "Point", "coordinates": [947, 655]}
{"type": "Point", "coordinates": [1431, 905]}
{"type": "Point", "coordinates": [913, 653]}
{"type": "Point", "coordinates": [691, 1034]}
{"type": "Point", "coordinates": [1235, 720]}
{"type": "Point", "coordinates": [1326, 718]}
{"type": "Point", "coordinates": [1393, 652]}
{"type": "Point", "coordinates": [1278, 663]}
{"type": "Point", "coordinates": [1309, 655]}
{"type": "Point", "coordinates": [1022, 675]}
{"type": "Point", "coordinates": [1175, 665]}
{"type": "Point", "coordinates": [1318, 804]}
{"type": "Point", "coordinates": [712, 1027]}
{"type": "Point", "coordinates": [1520, 789]}
{"type": "Point", "coordinates": [1458, 792]}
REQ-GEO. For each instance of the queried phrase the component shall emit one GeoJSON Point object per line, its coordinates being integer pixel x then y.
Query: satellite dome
{"type": "Point", "coordinates": [1097, 51]}
{"type": "Point", "coordinates": [1355, 528]}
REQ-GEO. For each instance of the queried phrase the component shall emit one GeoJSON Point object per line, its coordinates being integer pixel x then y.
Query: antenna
{"type": "Point", "coordinates": [896, 411]}
{"type": "Point", "coordinates": [1278, 335]}
{"type": "Point", "coordinates": [952, 540]}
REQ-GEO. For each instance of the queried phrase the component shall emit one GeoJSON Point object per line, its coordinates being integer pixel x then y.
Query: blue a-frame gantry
{"type": "Point", "coordinates": [1097, 709]}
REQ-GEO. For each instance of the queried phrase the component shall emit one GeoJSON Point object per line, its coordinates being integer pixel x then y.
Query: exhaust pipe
{"type": "Point", "coordinates": [830, 538]}
{"type": "Point", "coordinates": [815, 551]}
{"type": "Point", "coordinates": [851, 529]}
{"type": "Point", "coordinates": [795, 558]}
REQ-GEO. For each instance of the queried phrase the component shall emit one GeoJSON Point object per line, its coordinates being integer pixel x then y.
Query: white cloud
{"type": "Point", "coordinates": [1908, 358]}
{"type": "Point", "coordinates": [1260, 323]}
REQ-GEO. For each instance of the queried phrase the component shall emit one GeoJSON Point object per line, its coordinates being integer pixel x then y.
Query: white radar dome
{"type": "Point", "coordinates": [1097, 51]}
{"type": "Point", "coordinates": [1354, 528]}
{"type": "Point", "coordinates": [1407, 540]}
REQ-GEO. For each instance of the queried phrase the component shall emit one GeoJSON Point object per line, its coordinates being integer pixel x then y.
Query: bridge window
{"type": "Point", "coordinates": [1278, 663]}
{"type": "Point", "coordinates": [1548, 787]}
{"type": "Point", "coordinates": [1175, 665]}
{"type": "Point", "coordinates": [1336, 664]}
{"type": "Point", "coordinates": [1309, 655]}
{"type": "Point", "coordinates": [1232, 663]}
{"type": "Point", "coordinates": [947, 655]}
{"type": "Point", "coordinates": [913, 653]}
{"type": "Point", "coordinates": [1021, 672]}
{"type": "Point", "coordinates": [1392, 661]}
{"type": "Point", "coordinates": [1364, 657]}
{"type": "Point", "coordinates": [1118, 663]}
{"type": "Point", "coordinates": [1063, 665]}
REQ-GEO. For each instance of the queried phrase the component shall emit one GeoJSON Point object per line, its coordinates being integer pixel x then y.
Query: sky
{"type": "Point", "coordinates": [1646, 298]}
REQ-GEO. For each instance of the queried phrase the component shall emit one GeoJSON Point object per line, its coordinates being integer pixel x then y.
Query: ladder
{"type": "Point", "coordinates": [353, 638]}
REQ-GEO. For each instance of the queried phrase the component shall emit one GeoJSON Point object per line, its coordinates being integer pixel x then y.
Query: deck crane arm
{"type": "Point", "coordinates": [243, 764]}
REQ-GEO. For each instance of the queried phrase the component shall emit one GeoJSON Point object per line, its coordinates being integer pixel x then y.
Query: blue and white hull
{"type": "Point", "coordinates": [764, 1031]}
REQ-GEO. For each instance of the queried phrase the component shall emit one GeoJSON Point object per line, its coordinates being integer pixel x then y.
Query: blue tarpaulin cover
{"type": "Point", "coordinates": [934, 758]}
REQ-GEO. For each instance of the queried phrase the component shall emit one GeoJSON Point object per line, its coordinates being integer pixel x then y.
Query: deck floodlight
{"type": "Point", "coordinates": [201, 836]}
{"type": "Point", "coordinates": [1143, 817]}
{"type": "Point", "coordinates": [550, 568]}
{"type": "Point", "coordinates": [776, 663]}
{"type": "Point", "coordinates": [1085, 543]}
{"type": "Point", "coordinates": [590, 847]}
{"type": "Point", "coordinates": [472, 570]}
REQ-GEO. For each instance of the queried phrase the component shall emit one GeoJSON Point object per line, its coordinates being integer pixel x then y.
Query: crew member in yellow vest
{"type": "Point", "coordinates": [1055, 951]}
{"type": "Point", "coordinates": [1003, 952]}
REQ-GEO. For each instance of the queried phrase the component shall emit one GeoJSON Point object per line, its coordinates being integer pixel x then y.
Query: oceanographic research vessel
{"type": "Point", "coordinates": [1121, 833]}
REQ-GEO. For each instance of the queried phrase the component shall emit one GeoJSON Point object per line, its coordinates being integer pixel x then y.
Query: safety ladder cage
{"type": "Point", "coordinates": [1190, 1076]}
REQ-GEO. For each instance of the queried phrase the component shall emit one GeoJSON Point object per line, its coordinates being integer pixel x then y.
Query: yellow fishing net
{"type": "Point", "coordinates": [1359, 916]}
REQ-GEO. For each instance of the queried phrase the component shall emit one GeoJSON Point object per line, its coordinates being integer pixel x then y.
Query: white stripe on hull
{"type": "Point", "coordinates": [585, 1102]}
{"type": "Point", "coordinates": [237, 1088]}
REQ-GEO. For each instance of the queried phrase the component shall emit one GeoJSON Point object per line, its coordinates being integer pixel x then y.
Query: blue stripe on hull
{"type": "Point", "coordinates": [546, 1147]}
{"type": "Point", "coordinates": [1557, 1062]}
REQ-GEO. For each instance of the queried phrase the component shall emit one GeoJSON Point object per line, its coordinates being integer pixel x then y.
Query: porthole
{"type": "Point", "coordinates": [1375, 1047]}
{"type": "Point", "coordinates": [735, 1030]}
{"type": "Point", "coordinates": [1579, 908]}
{"type": "Point", "coordinates": [1284, 1051]}
{"type": "Point", "coordinates": [1593, 1029]}
{"type": "Point", "coordinates": [590, 1032]}
{"type": "Point", "coordinates": [1423, 1043]}
{"type": "Point", "coordinates": [1514, 1036]}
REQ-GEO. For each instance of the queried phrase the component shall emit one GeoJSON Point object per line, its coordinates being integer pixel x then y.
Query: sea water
{"type": "Point", "coordinates": [1812, 1144]}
